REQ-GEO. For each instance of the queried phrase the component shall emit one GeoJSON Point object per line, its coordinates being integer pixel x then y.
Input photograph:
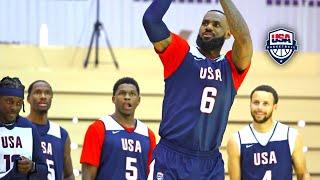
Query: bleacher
{"type": "Point", "coordinates": [86, 93]}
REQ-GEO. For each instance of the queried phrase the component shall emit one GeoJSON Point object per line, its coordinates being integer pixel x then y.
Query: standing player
{"type": "Point", "coordinates": [118, 146]}
{"type": "Point", "coordinates": [266, 149]}
{"type": "Point", "coordinates": [55, 141]}
{"type": "Point", "coordinates": [20, 152]}
{"type": "Point", "coordinates": [200, 86]}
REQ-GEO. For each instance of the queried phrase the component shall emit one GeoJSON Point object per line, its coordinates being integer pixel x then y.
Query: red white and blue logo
{"type": "Point", "coordinates": [281, 45]}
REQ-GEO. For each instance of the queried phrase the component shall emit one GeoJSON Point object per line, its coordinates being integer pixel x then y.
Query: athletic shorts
{"type": "Point", "coordinates": [174, 163]}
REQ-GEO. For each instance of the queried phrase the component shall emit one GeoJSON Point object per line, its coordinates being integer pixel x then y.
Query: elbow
{"type": "Point", "coordinates": [150, 17]}
{"type": "Point", "coordinates": [146, 17]}
{"type": "Point", "coordinates": [148, 25]}
{"type": "Point", "coordinates": [146, 20]}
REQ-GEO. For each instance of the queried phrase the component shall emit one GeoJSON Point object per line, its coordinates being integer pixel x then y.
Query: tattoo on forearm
{"type": "Point", "coordinates": [237, 24]}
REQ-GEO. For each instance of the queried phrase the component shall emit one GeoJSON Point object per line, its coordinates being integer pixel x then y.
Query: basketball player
{"type": "Point", "coordinates": [118, 146]}
{"type": "Point", "coordinates": [55, 141]}
{"type": "Point", "coordinates": [200, 86]}
{"type": "Point", "coordinates": [20, 152]}
{"type": "Point", "coordinates": [266, 149]}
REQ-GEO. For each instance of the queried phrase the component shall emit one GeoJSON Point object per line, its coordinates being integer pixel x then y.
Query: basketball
{"type": "Point", "coordinates": [281, 53]}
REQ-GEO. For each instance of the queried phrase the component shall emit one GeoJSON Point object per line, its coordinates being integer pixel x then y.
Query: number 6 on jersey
{"type": "Point", "coordinates": [207, 102]}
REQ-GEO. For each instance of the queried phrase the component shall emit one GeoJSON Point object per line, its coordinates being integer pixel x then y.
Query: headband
{"type": "Point", "coordinates": [19, 92]}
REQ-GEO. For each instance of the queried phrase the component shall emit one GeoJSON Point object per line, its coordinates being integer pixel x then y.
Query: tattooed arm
{"type": "Point", "coordinates": [242, 46]}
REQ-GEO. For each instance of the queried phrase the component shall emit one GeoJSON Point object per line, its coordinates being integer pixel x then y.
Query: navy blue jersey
{"type": "Point", "coordinates": [20, 139]}
{"type": "Point", "coordinates": [53, 138]}
{"type": "Point", "coordinates": [266, 161]}
{"type": "Point", "coordinates": [124, 153]}
{"type": "Point", "coordinates": [199, 93]}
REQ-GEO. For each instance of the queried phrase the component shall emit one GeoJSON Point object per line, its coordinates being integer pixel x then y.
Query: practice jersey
{"type": "Point", "coordinates": [19, 139]}
{"type": "Point", "coordinates": [266, 161]}
{"type": "Point", "coordinates": [198, 96]}
{"type": "Point", "coordinates": [53, 138]}
{"type": "Point", "coordinates": [118, 153]}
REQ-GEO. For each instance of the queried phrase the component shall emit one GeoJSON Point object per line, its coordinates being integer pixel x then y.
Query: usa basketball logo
{"type": "Point", "coordinates": [159, 176]}
{"type": "Point", "coordinates": [281, 45]}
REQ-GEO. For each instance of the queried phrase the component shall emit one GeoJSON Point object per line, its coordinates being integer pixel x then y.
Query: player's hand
{"type": "Point", "coordinates": [25, 165]}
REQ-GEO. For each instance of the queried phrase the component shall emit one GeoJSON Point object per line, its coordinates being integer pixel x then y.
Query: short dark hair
{"type": "Point", "coordinates": [269, 89]}
{"type": "Point", "coordinates": [14, 83]}
{"type": "Point", "coordinates": [125, 80]}
{"type": "Point", "coordinates": [32, 84]}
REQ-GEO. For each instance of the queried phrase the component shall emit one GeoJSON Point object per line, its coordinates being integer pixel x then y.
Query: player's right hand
{"type": "Point", "coordinates": [24, 165]}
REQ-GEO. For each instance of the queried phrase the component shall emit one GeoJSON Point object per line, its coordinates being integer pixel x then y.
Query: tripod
{"type": "Point", "coordinates": [98, 26]}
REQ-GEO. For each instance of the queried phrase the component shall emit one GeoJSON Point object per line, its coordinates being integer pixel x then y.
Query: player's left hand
{"type": "Point", "coordinates": [24, 165]}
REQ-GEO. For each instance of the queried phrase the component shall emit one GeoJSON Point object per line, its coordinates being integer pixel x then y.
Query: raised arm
{"type": "Point", "coordinates": [242, 46]}
{"type": "Point", "coordinates": [233, 159]}
{"type": "Point", "coordinates": [155, 28]}
{"type": "Point", "coordinates": [299, 160]}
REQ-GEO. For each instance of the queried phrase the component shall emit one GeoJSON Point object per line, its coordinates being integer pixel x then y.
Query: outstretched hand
{"type": "Point", "coordinates": [25, 165]}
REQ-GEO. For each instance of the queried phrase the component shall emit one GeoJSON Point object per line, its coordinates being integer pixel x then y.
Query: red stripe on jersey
{"type": "Point", "coordinates": [152, 139]}
{"type": "Point", "coordinates": [130, 130]}
{"type": "Point", "coordinates": [237, 76]}
{"type": "Point", "coordinates": [92, 145]}
{"type": "Point", "coordinates": [173, 55]}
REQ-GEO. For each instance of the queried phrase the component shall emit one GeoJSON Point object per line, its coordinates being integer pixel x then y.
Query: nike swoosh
{"type": "Point", "coordinates": [115, 132]}
{"type": "Point", "coordinates": [247, 146]}
{"type": "Point", "coordinates": [197, 59]}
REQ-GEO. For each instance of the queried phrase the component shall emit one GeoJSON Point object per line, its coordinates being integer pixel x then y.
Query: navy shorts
{"type": "Point", "coordinates": [173, 163]}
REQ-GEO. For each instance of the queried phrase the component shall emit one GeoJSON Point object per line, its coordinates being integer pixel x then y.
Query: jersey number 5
{"type": "Point", "coordinates": [131, 170]}
{"type": "Point", "coordinates": [208, 99]}
{"type": "Point", "coordinates": [51, 174]}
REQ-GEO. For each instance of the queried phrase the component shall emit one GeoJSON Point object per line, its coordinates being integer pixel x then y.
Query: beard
{"type": "Point", "coordinates": [43, 111]}
{"type": "Point", "coordinates": [265, 119]}
{"type": "Point", "coordinates": [213, 44]}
